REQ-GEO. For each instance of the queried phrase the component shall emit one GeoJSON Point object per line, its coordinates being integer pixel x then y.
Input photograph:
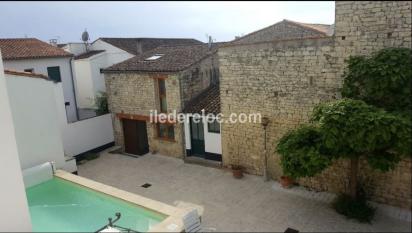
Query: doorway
{"type": "Point", "coordinates": [135, 137]}
{"type": "Point", "coordinates": [197, 138]}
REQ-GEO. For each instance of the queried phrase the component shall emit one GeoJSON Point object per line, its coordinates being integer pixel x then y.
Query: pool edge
{"type": "Point", "coordinates": [173, 214]}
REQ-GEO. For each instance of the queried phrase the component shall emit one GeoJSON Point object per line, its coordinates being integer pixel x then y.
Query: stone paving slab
{"type": "Point", "coordinates": [249, 204]}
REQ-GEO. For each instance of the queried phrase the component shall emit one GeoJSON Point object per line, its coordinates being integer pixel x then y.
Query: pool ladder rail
{"type": "Point", "coordinates": [111, 225]}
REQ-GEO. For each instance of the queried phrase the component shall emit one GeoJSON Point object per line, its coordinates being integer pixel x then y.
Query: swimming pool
{"type": "Point", "coordinates": [58, 205]}
{"type": "Point", "coordinates": [70, 203]}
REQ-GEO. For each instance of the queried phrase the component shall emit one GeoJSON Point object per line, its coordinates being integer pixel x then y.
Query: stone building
{"type": "Point", "coordinates": [163, 79]}
{"type": "Point", "coordinates": [284, 78]}
{"type": "Point", "coordinates": [286, 29]}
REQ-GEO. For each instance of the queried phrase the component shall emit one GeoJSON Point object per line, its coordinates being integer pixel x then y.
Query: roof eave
{"type": "Point", "coordinates": [37, 57]}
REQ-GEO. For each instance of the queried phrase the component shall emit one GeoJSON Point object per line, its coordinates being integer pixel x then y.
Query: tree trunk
{"type": "Point", "coordinates": [353, 182]}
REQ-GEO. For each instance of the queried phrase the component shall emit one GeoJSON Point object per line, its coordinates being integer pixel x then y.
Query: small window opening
{"type": "Point", "coordinates": [154, 57]}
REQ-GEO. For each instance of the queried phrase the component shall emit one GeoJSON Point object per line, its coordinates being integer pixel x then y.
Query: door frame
{"type": "Point", "coordinates": [191, 139]}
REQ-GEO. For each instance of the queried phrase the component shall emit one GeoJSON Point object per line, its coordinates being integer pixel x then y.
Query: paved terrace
{"type": "Point", "coordinates": [233, 205]}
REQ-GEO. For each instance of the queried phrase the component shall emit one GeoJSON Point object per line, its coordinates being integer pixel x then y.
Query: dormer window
{"type": "Point", "coordinates": [154, 57]}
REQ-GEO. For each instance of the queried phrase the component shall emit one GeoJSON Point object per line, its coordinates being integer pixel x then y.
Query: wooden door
{"type": "Point", "coordinates": [135, 137]}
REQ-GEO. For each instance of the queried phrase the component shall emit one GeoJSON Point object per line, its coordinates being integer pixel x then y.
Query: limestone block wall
{"type": "Point", "coordinates": [136, 93]}
{"type": "Point", "coordinates": [283, 81]}
{"type": "Point", "coordinates": [279, 80]}
{"type": "Point", "coordinates": [198, 77]}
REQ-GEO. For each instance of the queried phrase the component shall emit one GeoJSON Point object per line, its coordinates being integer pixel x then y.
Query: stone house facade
{"type": "Point", "coordinates": [133, 91]}
{"type": "Point", "coordinates": [283, 79]}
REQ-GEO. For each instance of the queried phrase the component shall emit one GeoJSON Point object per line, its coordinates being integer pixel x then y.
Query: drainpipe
{"type": "Point", "coordinates": [265, 123]}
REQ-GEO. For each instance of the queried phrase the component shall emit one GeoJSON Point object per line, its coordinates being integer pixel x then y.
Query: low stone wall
{"type": "Point", "coordinates": [392, 187]}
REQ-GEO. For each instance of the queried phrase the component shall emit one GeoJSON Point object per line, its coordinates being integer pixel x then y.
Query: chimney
{"type": "Point", "coordinates": [139, 47]}
{"type": "Point", "coordinates": [209, 43]}
{"type": "Point", "coordinates": [53, 42]}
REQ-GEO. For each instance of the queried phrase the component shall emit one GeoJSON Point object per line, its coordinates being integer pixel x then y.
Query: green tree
{"type": "Point", "coordinates": [383, 79]}
{"type": "Point", "coordinates": [375, 124]}
{"type": "Point", "coordinates": [102, 106]}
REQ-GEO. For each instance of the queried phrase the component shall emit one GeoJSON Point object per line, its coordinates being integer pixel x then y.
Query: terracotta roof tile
{"type": "Point", "coordinates": [25, 48]}
{"type": "Point", "coordinates": [26, 74]}
{"type": "Point", "coordinates": [172, 59]}
{"type": "Point", "coordinates": [209, 100]}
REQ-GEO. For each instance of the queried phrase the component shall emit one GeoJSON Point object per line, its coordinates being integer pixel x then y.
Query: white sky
{"type": "Point", "coordinates": [223, 20]}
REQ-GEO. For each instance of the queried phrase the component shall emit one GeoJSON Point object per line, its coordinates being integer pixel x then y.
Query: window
{"type": "Point", "coordinates": [213, 127]}
{"type": "Point", "coordinates": [54, 73]}
{"type": "Point", "coordinates": [31, 70]}
{"type": "Point", "coordinates": [154, 57]}
{"type": "Point", "coordinates": [166, 131]}
{"type": "Point", "coordinates": [162, 95]}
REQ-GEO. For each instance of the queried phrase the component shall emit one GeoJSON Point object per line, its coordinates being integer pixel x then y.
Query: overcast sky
{"type": "Point", "coordinates": [66, 21]}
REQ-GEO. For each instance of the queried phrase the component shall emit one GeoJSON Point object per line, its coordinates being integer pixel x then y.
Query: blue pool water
{"type": "Point", "coordinates": [58, 205]}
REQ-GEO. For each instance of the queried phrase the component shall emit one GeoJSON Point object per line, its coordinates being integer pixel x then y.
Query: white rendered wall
{"type": "Point", "coordinates": [14, 211]}
{"type": "Point", "coordinates": [116, 55]}
{"type": "Point", "coordinates": [188, 142]}
{"type": "Point", "coordinates": [89, 80]}
{"type": "Point", "coordinates": [40, 66]}
{"type": "Point", "coordinates": [213, 141]}
{"type": "Point", "coordinates": [84, 135]}
{"type": "Point", "coordinates": [75, 48]}
{"type": "Point", "coordinates": [36, 120]}
{"type": "Point", "coordinates": [84, 83]}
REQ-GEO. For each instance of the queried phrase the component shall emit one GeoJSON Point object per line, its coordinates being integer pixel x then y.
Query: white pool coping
{"type": "Point", "coordinates": [174, 216]}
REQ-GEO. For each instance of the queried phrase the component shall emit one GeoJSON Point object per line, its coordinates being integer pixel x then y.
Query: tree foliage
{"type": "Point", "coordinates": [369, 125]}
{"type": "Point", "coordinates": [302, 152]}
{"type": "Point", "coordinates": [345, 128]}
{"type": "Point", "coordinates": [383, 80]}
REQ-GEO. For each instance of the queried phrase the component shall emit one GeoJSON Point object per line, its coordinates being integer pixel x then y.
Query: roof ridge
{"type": "Point", "coordinates": [306, 25]}
{"type": "Point", "coordinates": [284, 20]}
{"type": "Point", "coordinates": [160, 38]}
{"type": "Point", "coordinates": [16, 38]}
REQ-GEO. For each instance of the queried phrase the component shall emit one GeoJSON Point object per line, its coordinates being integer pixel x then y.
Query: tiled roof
{"type": "Point", "coordinates": [138, 45]}
{"type": "Point", "coordinates": [322, 28]}
{"type": "Point", "coordinates": [26, 74]}
{"type": "Point", "coordinates": [173, 59]}
{"type": "Point", "coordinates": [88, 54]}
{"type": "Point", "coordinates": [27, 48]}
{"type": "Point", "coordinates": [209, 100]}
{"type": "Point", "coordinates": [318, 30]}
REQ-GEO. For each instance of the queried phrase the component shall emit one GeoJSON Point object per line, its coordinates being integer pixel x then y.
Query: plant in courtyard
{"type": "Point", "coordinates": [101, 103]}
{"type": "Point", "coordinates": [375, 125]}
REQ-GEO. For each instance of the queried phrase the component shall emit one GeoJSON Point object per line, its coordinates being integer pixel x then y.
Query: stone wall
{"type": "Point", "coordinates": [283, 80]}
{"type": "Point", "coordinates": [280, 80]}
{"type": "Point", "coordinates": [136, 94]}
{"type": "Point", "coordinates": [198, 77]}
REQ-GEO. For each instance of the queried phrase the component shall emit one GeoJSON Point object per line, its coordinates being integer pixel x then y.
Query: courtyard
{"type": "Point", "coordinates": [231, 205]}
